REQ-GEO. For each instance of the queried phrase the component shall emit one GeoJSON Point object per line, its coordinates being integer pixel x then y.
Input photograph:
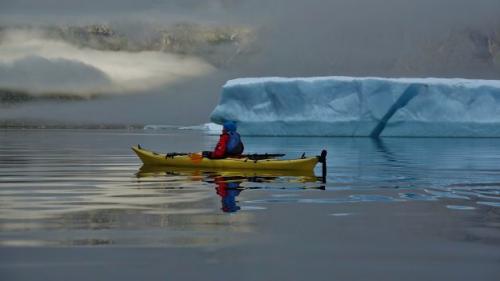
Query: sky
{"type": "Point", "coordinates": [295, 38]}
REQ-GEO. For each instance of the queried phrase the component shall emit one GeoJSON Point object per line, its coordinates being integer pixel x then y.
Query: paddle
{"type": "Point", "coordinates": [254, 156]}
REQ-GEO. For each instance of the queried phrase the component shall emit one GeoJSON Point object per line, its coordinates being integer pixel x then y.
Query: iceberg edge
{"type": "Point", "coordinates": [361, 107]}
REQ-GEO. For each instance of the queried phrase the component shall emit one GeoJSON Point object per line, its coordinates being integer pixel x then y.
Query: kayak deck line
{"type": "Point", "coordinates": [196, 160]}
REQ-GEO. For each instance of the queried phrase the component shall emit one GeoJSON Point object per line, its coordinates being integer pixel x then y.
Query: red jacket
{"type": "Point", "coordinates": [220, 148]}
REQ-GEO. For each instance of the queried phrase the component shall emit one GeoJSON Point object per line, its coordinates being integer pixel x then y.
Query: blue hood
{"type": "Point", "coordinates": [229, 126]}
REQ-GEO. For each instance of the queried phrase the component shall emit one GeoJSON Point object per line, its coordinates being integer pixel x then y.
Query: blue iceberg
{"type": "Point", "coordinates": [351, 106]}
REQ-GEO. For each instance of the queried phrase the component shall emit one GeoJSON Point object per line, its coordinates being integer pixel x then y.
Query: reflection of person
{"type": "Point", "coordinates": [229, 144]}
{"type": "Point", "coordinates": [228, 191]}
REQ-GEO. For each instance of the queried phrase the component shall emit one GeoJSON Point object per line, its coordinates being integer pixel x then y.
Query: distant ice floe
{"type": "Point", "coordinates": [352, 106]}
{"type": "Point", "coordinates": [208, 128]}
{"type": "Point", "coordinates": [159, 127]}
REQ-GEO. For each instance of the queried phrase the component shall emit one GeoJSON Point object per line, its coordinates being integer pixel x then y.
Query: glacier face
{"type": "Point", "coordinates": [351, 106]}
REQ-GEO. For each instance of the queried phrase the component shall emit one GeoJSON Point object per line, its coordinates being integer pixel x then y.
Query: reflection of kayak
{"type": "Point", "coordinates": [196, 173]}
{"type": "Point", "coordinates": [196, 160]}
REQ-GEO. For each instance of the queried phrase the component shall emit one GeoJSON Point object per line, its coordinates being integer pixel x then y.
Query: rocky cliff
{"type": "Point", "coordinates": [216, 44]}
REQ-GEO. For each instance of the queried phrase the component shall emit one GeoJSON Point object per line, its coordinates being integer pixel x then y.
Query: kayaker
{"type": "Point", "coordinates": [229, 144]}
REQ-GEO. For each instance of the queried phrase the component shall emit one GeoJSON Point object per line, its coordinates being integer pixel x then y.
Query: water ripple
{"type": "Point", "coordinates": [76, 188]}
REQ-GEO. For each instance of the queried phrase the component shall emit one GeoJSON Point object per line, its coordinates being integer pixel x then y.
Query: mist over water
{"type": "Point", "coordinates": [36, 63]}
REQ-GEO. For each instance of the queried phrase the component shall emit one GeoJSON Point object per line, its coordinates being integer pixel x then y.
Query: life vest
{"type": "Point", "coordinates": [234, 144]}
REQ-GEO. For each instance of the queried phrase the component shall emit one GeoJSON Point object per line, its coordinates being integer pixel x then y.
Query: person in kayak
{"type": "Point", "coordinates": [229, 144]}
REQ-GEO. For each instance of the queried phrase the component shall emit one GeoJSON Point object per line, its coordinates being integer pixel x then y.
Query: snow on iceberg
{"type": "Point", "coordinates": [349, 106]}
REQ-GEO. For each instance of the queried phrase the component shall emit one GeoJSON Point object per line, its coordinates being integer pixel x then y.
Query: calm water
{"type": "Point", "coordinates": [65, 188]}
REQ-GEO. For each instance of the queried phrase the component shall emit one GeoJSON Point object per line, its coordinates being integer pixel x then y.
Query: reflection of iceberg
{"type": "Point", "coordinates": [347, 106]}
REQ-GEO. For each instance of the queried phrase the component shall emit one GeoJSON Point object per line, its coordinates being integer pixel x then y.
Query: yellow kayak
{"type": "Point", "coordinates": [196, 160]}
